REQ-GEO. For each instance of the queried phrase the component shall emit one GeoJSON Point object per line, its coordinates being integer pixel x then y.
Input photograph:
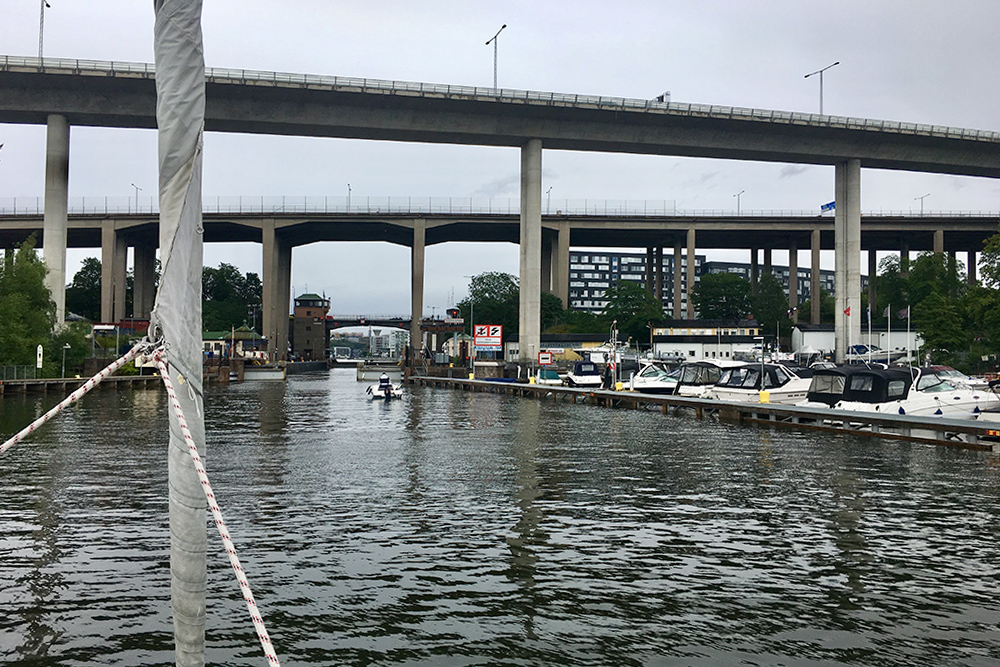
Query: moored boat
{"type": "Point", "coordinates": [653, 377]}
{"type": "Point", "coordinates": [695, 378]}
{"type": "Point", "coordinates": [746, 383]}
{"type": "Point", "coordinates": [584, 374]}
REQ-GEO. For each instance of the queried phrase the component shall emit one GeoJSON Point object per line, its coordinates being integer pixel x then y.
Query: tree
{"type": "Point", "coordinates": [495, 298]}
{"type": "Point", "coordinates": [770, 305]}
{"type": "Point", "coordinates": [722, 296]}
{"type": "Point", "coordinates": [633, 307]}
{"type": "Point", "coordinates": [827, 306]}
{"type": "Point", "coordinates": [938, 320]}
{"type": "Point", "coordinates": [27, 312]}
{"type": "Point", "coordinates": [83, 295]}
{"type": "Point", "coordinates": [228, 297]}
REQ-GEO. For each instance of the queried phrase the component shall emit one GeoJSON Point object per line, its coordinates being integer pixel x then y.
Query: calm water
{"type": "Point", "coordinates": [474, 529]}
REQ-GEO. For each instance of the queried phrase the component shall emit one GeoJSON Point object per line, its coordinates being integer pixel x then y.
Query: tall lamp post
{"type": "Point", "coordinates": [738, 195]}
{"type": "Point", "coordinates": [820, 72]}
{"type": "Point", "coordinates": [137, 191]}
{"type": "Point", "coordinates": [494, 40]}
{"type": "Point", "coordinates": [921, 198]}
{"type": "Point", "coordinates": [548, 199]}
{"type": "Point", "coordinates": [41, 27]}
{"type": "Point", "coordinates": [65, 347]}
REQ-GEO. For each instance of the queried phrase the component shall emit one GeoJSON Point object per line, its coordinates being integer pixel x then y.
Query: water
{"type": "Point", "coordinates": [473, 529]}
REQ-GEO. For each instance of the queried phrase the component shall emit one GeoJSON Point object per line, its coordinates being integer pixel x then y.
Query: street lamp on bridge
{"type": "Point", "coordinates": [137, 191]}
{"type": "Point", "coordinates": [820, 72]}
{"type": "Point", "coordinates": [494, 40]}
{"type": "Point", "coordinates": [41, 27]}
{"type": "Point", "coordinates": [738, 195]}
{"type": "Point", "coordinates": [921, 198]}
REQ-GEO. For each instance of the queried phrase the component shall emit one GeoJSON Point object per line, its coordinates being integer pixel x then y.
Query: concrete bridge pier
{"type": "Point", "coordinates": [560, 264]}
{"type": "Point", "coordinates": [530, 311]}
{"type": "Point", "coordinates": [690, 272]}
{"type": "Point", "coordinates": [754, 269]}
{"type": "Point", "coordinates": [815, 247]}
{"type": "Point", "coordinates": [658, 273]}
{"type": "Point", "coordinates": [678, 289]}
{"type": "Point", "coordinates": [793, 280]}
{"type": "Point", "coordinates": [417, 249]}
{"type": "Point", "coordinates": [56, 211]}
{"type": "Point", "coordinates": [144, 279]}
{"type": "Point", "coordinates": [970, 267]}
{"type": "Point", "coordinates": [277, 283]}
{"type": "Point", "coordinates": [847, 262]}
{"type": "Point", "coordinates": [114, 256]}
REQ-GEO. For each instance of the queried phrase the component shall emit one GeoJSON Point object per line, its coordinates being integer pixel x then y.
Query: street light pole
{"type": "Point", "coordinates": [548, 199]}
{"type": "Point", "coordinates": [137, 191]}
{"type": "Point", "coordinates": [921, 198]}
{"type": "Point", "coordinates": [738, 195]}
{"type": "Point", "coordinates": [41, 27]}
{"type": "Point", "coordinates": [820, 72]}
{"type": "Point", "coordinates": [494, 40]}
{"type": "Point", "coordinates": [65, 347]}
{"type": "Point", "coordinates": [348, 197]}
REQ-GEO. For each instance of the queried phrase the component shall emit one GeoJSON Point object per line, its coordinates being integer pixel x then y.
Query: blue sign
{"type": "Point", "coordinates": [828, 207]}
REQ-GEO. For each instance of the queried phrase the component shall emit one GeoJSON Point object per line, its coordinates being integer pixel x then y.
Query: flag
{"type": "Point", "coordinates": [885, 313]}
{"type": "Point", "coordinates": [904, 314]}
{"type": "Point", "coordinates": [869, 314]}
{"type": "Point", "coordinates": [847, 311]}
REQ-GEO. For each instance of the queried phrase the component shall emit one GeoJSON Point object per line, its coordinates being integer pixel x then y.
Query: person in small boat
{"type": "Point", "coordinates": [384, 382]}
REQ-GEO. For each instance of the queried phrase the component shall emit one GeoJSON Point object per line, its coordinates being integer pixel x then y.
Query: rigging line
{"type": "Point", "coordinates": [136, 350]}
{"type": "Point", "coordinates": [255, 616]}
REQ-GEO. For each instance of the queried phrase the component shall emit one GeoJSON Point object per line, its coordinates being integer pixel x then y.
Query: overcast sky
{"type": "Point", "coordinates": [922, 61]}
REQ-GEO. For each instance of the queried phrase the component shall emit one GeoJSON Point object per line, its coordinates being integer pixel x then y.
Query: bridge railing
{"type": "Point", "coordinates": [478, 206]}
{"type": "Point", "coordinates": [354, 84]}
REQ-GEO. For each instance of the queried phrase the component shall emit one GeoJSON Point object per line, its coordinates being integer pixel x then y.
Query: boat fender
{"type": "Point", "coordinates": [901, 410]}
{"type": "Point", "coordinates": [976, 410]}
{"type": "Point", "coordinates": [938, 412]}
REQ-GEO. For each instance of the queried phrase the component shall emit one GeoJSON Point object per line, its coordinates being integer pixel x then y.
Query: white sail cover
{"type": "Point", "coordinates": [176, 316]}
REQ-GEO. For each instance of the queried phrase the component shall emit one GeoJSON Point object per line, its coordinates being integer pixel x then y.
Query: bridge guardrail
{"type": "Point", "coordinates": [350, 84]}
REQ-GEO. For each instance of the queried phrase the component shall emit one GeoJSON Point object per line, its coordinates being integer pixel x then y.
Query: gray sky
{"type": "Point", "coordinates": [922, 61]}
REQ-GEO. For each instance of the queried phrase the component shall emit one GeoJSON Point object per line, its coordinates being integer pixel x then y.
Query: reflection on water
{"type": "Point", "coordinates": [458, 528]}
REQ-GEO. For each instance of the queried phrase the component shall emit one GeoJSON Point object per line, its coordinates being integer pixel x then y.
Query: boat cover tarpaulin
{"type": "Point", "coordinates": [180, 118]}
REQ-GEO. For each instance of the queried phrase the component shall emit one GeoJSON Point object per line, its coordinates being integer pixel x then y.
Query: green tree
{"type": "Point", "coordinates": [827, 306]}
{"type": "Point", "coordinates": [633, 307]}
{"type": "Point", "coordinates": [722, 296]}
{"type": "Point", "coordinates": [27, 312]}
{"type": "Point", "coordinates": [495, 299]}
{"type": "Point", "coordinates": [990, 261]}
{"type": "Point", "coordinates": [938, 320]}
{"type": "Point", "coordinates": [228, 297]}
{"type": "Point", "coordinates": [770, 305]}
{"type": "Point", "coordinates": [83, 295]}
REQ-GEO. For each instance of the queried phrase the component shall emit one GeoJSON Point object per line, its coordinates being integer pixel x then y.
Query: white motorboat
{"type": "Point", "coordinates": [743, 384]}
{"type": "Point", "coordinates": [584, 374]}
{"type": "Point", "coordinates": [547, 376]}
{"type": "Point", "coordinates": [384, 389]}
{"type": "Point", "coordinates": [654, 378]}
{"type": "Point", "coordinates": [872, 354]}
{"type": "Point", "coordinates": [697, 377]}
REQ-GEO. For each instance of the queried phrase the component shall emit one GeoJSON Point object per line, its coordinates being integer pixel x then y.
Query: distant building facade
{"type": "Point", "coordinates": [309, 337]}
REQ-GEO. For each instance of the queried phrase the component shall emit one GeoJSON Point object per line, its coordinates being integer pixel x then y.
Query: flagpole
{"type": "Point", "coordinates": [888, 333]}
{"type": "Point", "coordinates": [869, 334]}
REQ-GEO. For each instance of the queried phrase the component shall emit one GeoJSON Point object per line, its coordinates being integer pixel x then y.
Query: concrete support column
{"type": "Point", "coordinates": [530, 322]}
{"type": "Point", "coordinates": [793, 280]}
{"type": "Point", "coordinates": [276, 283]}
{"type": "Point", "coordinates": [678, 275]}
{"type": "Point", "coordinates": [560, 269]}
{"type": "Point", "coordinates": [904, 256]}
{"type": "Point", "coordinates": [144, 280]}
{"type": "Point", "coordinates": [754, 270]}
{"type": "Point", "coordinates": [938, 241]}
{"type": "Point", "coordinates": [971, 267]}
{"type": "Point", "coordinates": [108, 255]}
{"type": "Point", "coordinates": [118, 276]}
{"type": "Point", "coordinates": [548, 247]}
{"type": "Point", "coordinates": [56, 207]}
{"type": "Point", "coordinates": [872, 271]}
{"type": "Point", "coordinates": [658, 273]}
{"type": "Point", "coordinates": [768, 265]}
{"type": "Point", "coordinates": [814, 277]}
{"type": "Point", "coordinates": [690, 273]}
{"type": "Point", "coordinates": [847, 263]}
{"type": "Point", "coordinates": [417, 288]}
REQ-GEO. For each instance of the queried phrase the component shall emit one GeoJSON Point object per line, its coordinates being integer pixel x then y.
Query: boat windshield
{"type": "Point", "coordinates": [932, 382]}
{"type": "Point", "coordinates": [700, 374]}
{"type": "Point", "coordinates": [586, 368]}
{"type": "Point", "coordinates": [653, 373]}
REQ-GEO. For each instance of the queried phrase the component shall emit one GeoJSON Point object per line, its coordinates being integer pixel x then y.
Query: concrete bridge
{"type": "Point", "coordinates": [61, 93]}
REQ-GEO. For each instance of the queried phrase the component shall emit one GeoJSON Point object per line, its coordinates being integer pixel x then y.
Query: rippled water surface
{"type": "Point", "coordinates": [472, 529]}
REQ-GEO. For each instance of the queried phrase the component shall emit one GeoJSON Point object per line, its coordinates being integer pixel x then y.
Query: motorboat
{"type": "Point", "coordinates": [744, 384]}
{"type": "Point", "coordinates": [584, 374]}
{"type": "Point", "coordinates": [958, 378]}
{"type": "Point", "coordinates": [385, 390]}
{"type": "Point", "coordinates": [547, 376]}
{"type": "Point", "coordinates": [695, 378]}
{"type": "Point", "coordinates": [898, 390]}
{"type": "Point", "coordinates": [653, 377]}
{"type": "Point", "coordinates": [872, 354]}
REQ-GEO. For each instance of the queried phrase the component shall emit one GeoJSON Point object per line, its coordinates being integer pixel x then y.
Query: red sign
{"type": "Point", "coordinates": [487, 334]}
{"type": "Point", "coordinates": [544, 358]}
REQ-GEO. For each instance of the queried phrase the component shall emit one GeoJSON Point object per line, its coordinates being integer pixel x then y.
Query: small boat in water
{"type": "Point", "coordinates": [654, 378]}
{"type": "Point", "coordinates": [744, 384]}
{"type": "Point", "coordinates": [696, 378]}
{"type": "Point", "coordinates": [547, 376]}
{"type": "Point", "coordinates": [384, 389]}
{"type": "Point", "coordinates": [584, 374]}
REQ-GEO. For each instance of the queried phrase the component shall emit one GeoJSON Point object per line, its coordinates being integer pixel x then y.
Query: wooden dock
{"type": "Point", "coordinates": [67, 385]}
{"type": "Point", "coordinates": [965, 433]}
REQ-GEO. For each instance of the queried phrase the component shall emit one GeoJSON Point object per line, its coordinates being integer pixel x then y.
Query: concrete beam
{"type": "Point", "coordinates": [56, 211]}
{"type": "Point", "coordinates": [530, 321]}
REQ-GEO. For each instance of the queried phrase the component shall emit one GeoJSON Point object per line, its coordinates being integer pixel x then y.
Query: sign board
{"type": "Point", "coordinates": [488, 348]}
{"type": "Point", "coordinates": [487, 334]}
{"type": "Point", "coordinates": [544, 358]}
{"type": "Point", "coordinates": [454, 320]}
{"type": "Point", "coordinates": [38, 357]}
{"type": "Point", "coordinates": [828, 207]}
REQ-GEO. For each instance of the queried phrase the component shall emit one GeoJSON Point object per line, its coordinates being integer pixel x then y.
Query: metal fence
{"type": "Point", "coordinates": [292, 205]}
{"type": "Point", "coordinates": [18, 373]}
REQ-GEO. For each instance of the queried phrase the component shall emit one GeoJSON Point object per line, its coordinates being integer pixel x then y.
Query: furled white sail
{"type": "Point", "coordinates": [180, 117]}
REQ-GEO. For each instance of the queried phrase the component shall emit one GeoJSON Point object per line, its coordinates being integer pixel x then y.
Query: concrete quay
{"type": "Point", "coordinates": [66, 385]}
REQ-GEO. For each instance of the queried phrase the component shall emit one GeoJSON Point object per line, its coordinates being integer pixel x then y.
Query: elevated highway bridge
{"type": "Point", "coordinates": [61, 93]}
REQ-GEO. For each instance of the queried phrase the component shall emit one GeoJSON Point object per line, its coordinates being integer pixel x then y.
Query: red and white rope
{"type": "Point", "coordinates": [258, 621]}
{"type": "Point", "coordinates": [75, 396]}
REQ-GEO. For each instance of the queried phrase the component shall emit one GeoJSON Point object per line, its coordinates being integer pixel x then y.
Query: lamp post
{"type": "Point", "coordinates": [761, 339]}
{"type": "Point", "coordinates": [738, 195]}
{"type": "Point", "coordinates": [137, 191]}
{"type": "Point", "coordinates": [494, 40]}
{"type": "Point", "coordinates": [548, 199]}
{"type": "Point", "coordinates": [41, 27]}
{"type": "Point", "coordinates": [348, 197]}
{"type": "Point", "coordinates": [820, 72]}
{"type": "Point", "coordinates": [65, 347]}
{"type": "Point", "coordinates": [921, 198]}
